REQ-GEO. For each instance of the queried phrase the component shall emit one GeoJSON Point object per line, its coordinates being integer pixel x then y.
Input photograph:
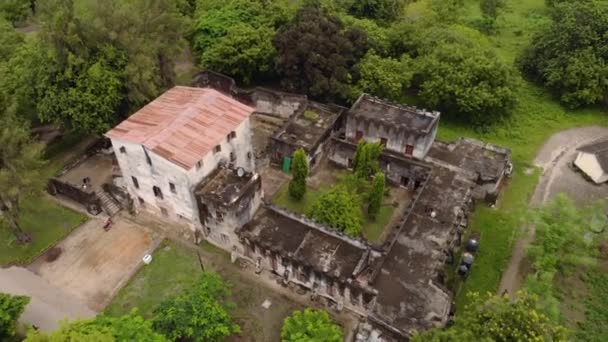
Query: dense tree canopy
{"type": "Point", "coordinates": [386, 78]}
{"type": "Point", "coordinates": [235, 36]}
{"type": "Point", "coordinates": [316, 54]}
{"type": "Point", "coordinates": [15, 10]}
{"type": "Point", "coordinates": [500, 319]}
{"type": "Point", "coordinates": [339, 209]}
{"type": "Point", "coordinates": [570, 56]}
{"type": "Point", "coordinates": [11, 308]}
{"type": "Point", "coordinates": [200, 314]}
{"type": "Point", "coordinates": [102, 328]}
{"type": "Point", "coordinates": [9, 40]}
{"type": "Point", "coordinates": [375, 9]}
{"type": "Point", "coordinates": [310, 325]}
{"type": "Point", "coordinates": [462, 78]}
{"type": "Point", "coordinates": [94, 62]}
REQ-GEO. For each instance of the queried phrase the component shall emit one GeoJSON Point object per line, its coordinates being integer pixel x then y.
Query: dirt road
{"type": "Point", "coordinates": [553, 158]}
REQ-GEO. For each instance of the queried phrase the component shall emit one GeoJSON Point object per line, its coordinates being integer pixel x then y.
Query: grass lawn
{"type": "Point", "coordinates": [175, 268]}
{"type": "Point", "coordinates": [372, 229]}
{"type": "Point", "coordinates": [535, 118]}
{"type": "Point", "coordinates": [46, 221]}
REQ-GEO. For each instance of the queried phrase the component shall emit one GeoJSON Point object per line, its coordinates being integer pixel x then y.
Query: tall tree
{"type": "Point", "coordinates": [465, 80]}
{"type": "Point", "coordinates": [376, 195]}
{"type": "Point", "coordinates": [297, 185]}
{"type": "Point", "coordinates": [385, 10]}
{"type": "Point", "coordinates": [101, 60]}
{"type": "Point", "coordinates": [365, 160]}
{"type": "Point", "coordinates": [570, 56]}
{"type": "Point", "coordinates": [20, 169]}
{"type": "Point", "coordinates": [15, 10]}
{"type": "Point", "coordinates": [11, 308]}
{"type": "Point", "coordinates": [316, 54]}
{"type": "Point", "coordinates": [501, 319]}
{"type": "Point", "coordinates": [201, 314]}
{"type": "Point", "coordinates": [131, 327]}
{"type": "Point", "coordinates": [386, 78]}
{"type": "Point", "coordinates": [310, 325]}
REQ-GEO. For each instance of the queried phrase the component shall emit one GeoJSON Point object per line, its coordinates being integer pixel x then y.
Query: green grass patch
{"type": "Point", "coordinates": [46, 221]}
{"type": "Point", "coordinates": [372, 229]}
{"type": "Point", "coordinates": [173, 269]}
{"type": "Point", "coordinates": [594, 327]}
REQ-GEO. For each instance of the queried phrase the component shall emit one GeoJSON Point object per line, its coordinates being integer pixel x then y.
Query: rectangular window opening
{"type": "Point", "coordinates": [123, 149]}
{"type": "Point", "coordinates": [217, 149]}
{"type": "Point", "coordinates": [135, 182]}
{"type": "Point", "coordinates": [172, 187]}
{"type": "Point", "coordinates": [157, 192]}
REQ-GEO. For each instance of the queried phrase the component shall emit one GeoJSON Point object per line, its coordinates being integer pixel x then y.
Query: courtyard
{"type": "Point", "coordinates": [324, 176]}
{"type": "Point", "coordinates": [92, 264]}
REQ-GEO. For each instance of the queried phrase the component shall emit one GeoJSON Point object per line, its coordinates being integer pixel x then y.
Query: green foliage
{"type": "Point", "coordinates": [376, 195]}
{"type": "Point", "coordinates": [102, 328]}
{"type": "Point", "coordinates": [386, 10]}
{"type": "Point", "coordinates": [570, 56]}
{"type": "Point", "coordinates": [386, 78]}
{"type": "Point", "coordinates": [491, 8]}
{"type": "Point", "coordinates": [20, 168]}
{"type": "Point", "coordinates": [316, 54]}
{"type": "Point", "coordinates": [297, 185]}
{"type": "Point", "coordinates": [15, 10]}
{"type": "Point", "coordinates": [310, 326]}
{"type": "Point", "coordinates": [560, 245]}
{"type": "Point", "coordinates": [94, 62]}
{"type": "Point", "coordinates": [593, 327]}
{"type": "Point", "coordinates": [199, 314]}
{"type": "Point", "coordinates": [469, 84]}
{"type": "Point", "coordinates": [10, 40]}
{"type": "Point", "coordinates": [11, 308]}
{"type": "Point", "coordinates": [365, 160]}
{"type": "Point", "coordinates": [339, 209]}
{"type": "Point", "coordinates": [378, 36]}
{"type": "Point", "coordinates": [495, 318]}
{"type": "Point", "coordinates": [244, 52]}
{"type": "Point", "coordinates": [235, 36]}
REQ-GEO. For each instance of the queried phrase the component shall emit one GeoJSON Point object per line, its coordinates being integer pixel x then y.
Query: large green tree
{"type": "Point", "coordinates": [297, 185]}
{"type": "Point", "coordinates": [11, 308]}
{"type": "Point", "coordinates": [10, 40]}
{"type": "Point", "coordinates": [200, 314]}
{"type": "Point", "coordinates": [94, 62]}
{"type": "Point", "coordinates": [500, 319]}
{"type": "Point", "coordinates": [102, 328]}
{"type": "Point", "coordinates": [235, 36]}
{"type": "Point", "coordinates": [465, 80]}
{"type": "Point", "coordinates": [386, 78]}
{"type": "Point", "coordinates": [339, 209]}
{"type": "Point", "coordinates": [15, 10]}
{"type": "Point", "coordinates": [310, 325]}
{"type": "Point", "coordinates": [316, 54]}
{"type": "Point", "coordinates": [365, 159]}
{"type": "Point", "coordinates": [570, 55]}
{"type": "Point", "coordinates": [20, 168]}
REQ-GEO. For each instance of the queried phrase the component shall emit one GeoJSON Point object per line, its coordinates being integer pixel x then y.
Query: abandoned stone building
{"type": "Point", "coordinates": [309, 129]}
{"type": "Point", "coordinates": [193, 156]}
{"type": "Point", "coordinates": [401, 129]}
{"type": "Point", "coordinates": [169, 146]}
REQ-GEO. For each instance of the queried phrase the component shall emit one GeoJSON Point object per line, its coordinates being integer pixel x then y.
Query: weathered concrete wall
{"type": "Point", "coordinates": [396, 140]}
{"type": "Point", "coordinates": [180, 205]}
{"type": "Point", "coordinates": [264, 100]}
{"type": "Point", "coordinates": [220, 224]}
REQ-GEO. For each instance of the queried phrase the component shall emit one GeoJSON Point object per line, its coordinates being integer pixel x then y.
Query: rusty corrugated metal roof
{"type": "Point", "coordinates": [183, 124]}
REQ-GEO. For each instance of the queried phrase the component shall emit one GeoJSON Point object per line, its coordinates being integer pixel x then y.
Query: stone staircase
{"type": "Point", "coordinates": [109, 205]}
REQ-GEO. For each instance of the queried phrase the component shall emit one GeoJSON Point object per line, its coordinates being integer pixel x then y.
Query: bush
{"type": "Point", "coordinates": [11, 308]}
{"type": "Point", "coordinates": [310, 325]}
{"type": "Point", "coordinates": [338, 209]}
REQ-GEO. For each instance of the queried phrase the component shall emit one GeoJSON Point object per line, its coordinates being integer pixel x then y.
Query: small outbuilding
{"type": "Point", "coordinates": [592, 160]}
